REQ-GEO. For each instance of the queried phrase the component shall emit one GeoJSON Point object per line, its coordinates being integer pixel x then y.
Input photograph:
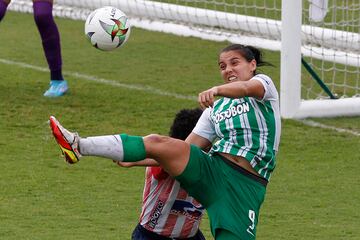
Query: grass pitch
{"type": "Point", "coordinates": [313, 194]}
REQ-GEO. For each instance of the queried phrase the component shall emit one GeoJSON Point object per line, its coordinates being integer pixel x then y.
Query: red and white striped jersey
{"type": "Point", "coordinates": [167, 209]}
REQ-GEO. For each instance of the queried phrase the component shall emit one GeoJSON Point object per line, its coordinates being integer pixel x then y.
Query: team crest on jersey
{"type": "Point", "coordinates": [232, 111]}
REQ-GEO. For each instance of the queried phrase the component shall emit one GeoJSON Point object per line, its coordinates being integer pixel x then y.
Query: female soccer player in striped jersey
{"type": "Point", "coordinates": [168, 212]}
{"type": "Point", "coordinates": [230, 181]}
{"type": "Point", "coordinates": [51, 43]}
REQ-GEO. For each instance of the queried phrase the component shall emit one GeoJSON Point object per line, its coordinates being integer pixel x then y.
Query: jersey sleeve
{"type": "Point", "coordinates": [271, 94]}
{"type": "Point", "coordinates": [205, 127]}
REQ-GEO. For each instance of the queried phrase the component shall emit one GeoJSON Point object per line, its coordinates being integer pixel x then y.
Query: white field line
{"type": "Point", "coordinates": [156, 91]}
{"type": "Point", "coordinates": [312, 123]}
{"type": "Point", "coordinates": [113, 83]}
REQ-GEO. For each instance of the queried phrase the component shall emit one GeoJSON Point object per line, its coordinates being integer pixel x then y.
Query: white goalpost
{"type": "Point", "coordinates": [331, 45]}
{"type": "Point", "coordinates": [323, 35]}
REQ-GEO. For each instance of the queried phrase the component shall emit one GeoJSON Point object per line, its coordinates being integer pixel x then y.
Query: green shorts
{"type": "Point", "coordinates": [231, 194]}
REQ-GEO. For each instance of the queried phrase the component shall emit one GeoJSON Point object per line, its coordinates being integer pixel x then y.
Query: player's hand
{"type": "Point", "coordinates": [207, 97]}
{"type": "Point", "coordinates": [124, 164]}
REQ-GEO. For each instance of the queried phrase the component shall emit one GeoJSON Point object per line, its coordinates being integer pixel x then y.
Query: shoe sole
{"type": "Point", "coordinates": [51, 95]}
{"type": "Point", "coordinates": [66, 149]}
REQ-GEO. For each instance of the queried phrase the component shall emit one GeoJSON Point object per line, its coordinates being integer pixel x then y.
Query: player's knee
{"type": "Point", "coordinates": [156, 139]}
{"type": "Point", "coordinates": [155, 145]}
{"type": "Point", "coordinates": [42, 18]}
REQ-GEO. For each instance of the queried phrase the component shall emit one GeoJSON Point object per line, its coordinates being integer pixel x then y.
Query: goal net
{"type": "Point", "coordinates": [321, 35]}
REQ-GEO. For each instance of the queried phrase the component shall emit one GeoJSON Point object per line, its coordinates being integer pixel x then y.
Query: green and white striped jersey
{"type": "Point", "coordinates": [246, 127]}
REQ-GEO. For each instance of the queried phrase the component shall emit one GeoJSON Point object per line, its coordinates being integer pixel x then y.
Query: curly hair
{"type": "Point", "coordinates": [184, 122]}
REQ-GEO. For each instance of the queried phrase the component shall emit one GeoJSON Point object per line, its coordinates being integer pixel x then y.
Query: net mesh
{"type": "Point", "coordinates": [335, 29]}
{"type": "Point", "coordinates": [330, 30]}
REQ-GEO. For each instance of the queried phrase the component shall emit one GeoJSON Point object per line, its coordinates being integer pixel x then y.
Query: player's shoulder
{"type": "Point", "coordinates": [264, 78]}
{"type": "Point", "coordinates": [266, 81]}
{"type": "Point", "coordinates": [271, 92]}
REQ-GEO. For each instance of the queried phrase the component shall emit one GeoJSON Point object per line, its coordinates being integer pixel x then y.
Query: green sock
{"type": "Point", "coordinates": [134, 148]}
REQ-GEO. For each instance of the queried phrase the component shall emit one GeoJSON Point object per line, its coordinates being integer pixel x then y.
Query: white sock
{"type": "Point", "coordinates": [102, 146]}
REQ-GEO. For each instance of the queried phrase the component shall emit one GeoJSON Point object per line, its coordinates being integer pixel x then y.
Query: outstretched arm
{"type": "Point", "coordinates": [148, 162]}
{"type": "Point", "coordinates": [250, 88]}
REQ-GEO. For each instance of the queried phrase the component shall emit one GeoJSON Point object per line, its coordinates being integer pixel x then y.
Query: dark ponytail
{"type": "Point", "coordinates": [258, 55]}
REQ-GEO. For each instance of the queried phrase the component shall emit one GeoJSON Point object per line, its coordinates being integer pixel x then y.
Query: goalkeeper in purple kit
{"type": "Point", "coordinates": [51, 43]}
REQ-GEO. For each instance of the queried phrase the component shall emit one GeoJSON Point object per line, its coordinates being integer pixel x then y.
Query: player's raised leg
{"type": "Point", "coordinates": [3, 6]}
{"type": "Point", "coordinates": [172, 154]}
{"type": "Point", "coordinates": [51, 44]}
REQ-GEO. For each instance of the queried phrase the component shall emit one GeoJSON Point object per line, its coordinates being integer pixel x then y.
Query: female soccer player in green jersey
{"type": "Point", "coordinates": [243, 126]}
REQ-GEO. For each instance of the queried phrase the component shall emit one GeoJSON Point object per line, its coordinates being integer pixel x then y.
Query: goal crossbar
{"type": "Point", "coordinates": [289, 36]}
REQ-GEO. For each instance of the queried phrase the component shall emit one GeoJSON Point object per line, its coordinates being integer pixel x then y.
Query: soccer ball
{"type": "Point", "coordinates": [107, 28]}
